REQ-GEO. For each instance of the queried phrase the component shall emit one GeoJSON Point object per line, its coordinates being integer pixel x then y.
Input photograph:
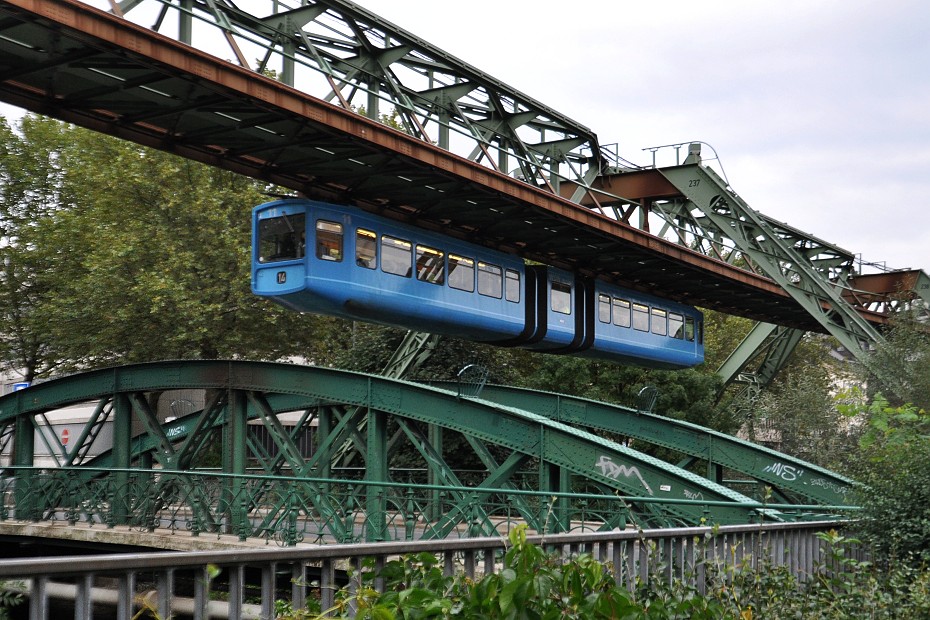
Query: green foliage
{"type": "Point", "coordinates": [722, 334]}
{"type": "Point", "coordinates": [11, 595]}
{"type": "Point", "coordinates": [532, 584]}
{"type": "Point", "coordinates": [904, 359]}
{"type": "Point", "coordinates": [114, 254]}
{"type": "Point", "coordinates": [31, 180]}
{"type": "Point", "coordinates": [799, 412]}
{"type": "Point", "coordinates": [895, 477]}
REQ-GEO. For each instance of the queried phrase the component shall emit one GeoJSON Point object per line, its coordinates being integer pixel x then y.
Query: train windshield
{"type": "Point", "coordinates": [281, 238]}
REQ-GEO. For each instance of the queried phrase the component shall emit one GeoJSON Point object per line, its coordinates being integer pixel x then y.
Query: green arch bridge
{"type": "Point", "coordinates": [291, 453]}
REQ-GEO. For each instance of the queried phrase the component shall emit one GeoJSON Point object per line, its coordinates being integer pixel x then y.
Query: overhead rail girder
{"type": "Point", "coordinates": [88, 67]}
{"type": "Point", "coordinates": [890, 292]}
{"type": "Point", "coordinates": [365, 63]}
{"type": "Point", "coordinates": [252, 388]}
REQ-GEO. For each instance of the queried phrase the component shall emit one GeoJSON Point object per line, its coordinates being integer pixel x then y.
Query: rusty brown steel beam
{"type": "Point", "coordinates": [266, 92]}
{"type": "Point", "coordinates": [635, 186]}
{"type": "Point", "coordinates": [886, 284]}
{"type": "Point", "coordinates": [883, 290]}
{"type": "Point", "coordinates": [713, 283]}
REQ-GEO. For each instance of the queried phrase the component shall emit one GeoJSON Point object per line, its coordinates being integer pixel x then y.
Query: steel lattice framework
{"type": "Point", "coordinates": [118, 81]}
{"type": "Point", "coordinates": [529, 444]}
{"type": "Point", "coordinates": [356, 59]}
{"type": "Point", "coordinates": [470, 156]}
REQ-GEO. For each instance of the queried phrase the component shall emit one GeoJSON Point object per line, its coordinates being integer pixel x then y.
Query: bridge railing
{"type": "Point", "coordinates": [218, 583]}
{"type": "Point", "coordinates": [288, 510]}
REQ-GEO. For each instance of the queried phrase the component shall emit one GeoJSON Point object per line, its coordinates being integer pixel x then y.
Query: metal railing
{"type": "Point", "coordinates": [219, 583]}
{"type": "Point", "coordinates": [287, 510]}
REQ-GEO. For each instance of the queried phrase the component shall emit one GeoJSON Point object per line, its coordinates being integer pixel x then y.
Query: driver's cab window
{"type": "Point", "coordinates": [281, 238]}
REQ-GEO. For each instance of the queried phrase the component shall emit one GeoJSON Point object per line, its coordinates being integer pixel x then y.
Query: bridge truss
{"type": "Point", "coordinates": [645, 227]}
{"type": "Point", "coordinates": [263, 454]}
{"type": "Point", "coordinates": [300, 105]}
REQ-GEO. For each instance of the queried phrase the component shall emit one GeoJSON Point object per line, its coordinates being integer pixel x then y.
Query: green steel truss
{"type": "Point", "coordinates": [815, 274]}
{"type": "Point", "coordinates": [349, 56]}
{"type": "Point", "coordinates": [758, 358]}
{"type": "Point", "coordinates": [261, 415]}
{"type": "Point", "coordinates": [793, 261]}
{"type": "Point", "coordinates": [791, 478]}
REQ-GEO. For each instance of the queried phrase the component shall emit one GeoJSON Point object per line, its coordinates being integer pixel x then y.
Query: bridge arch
{"type": "Point", "coordinates": [359, 424]}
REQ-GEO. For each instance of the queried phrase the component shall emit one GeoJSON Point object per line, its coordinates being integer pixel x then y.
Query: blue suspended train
{"type": "Point", "coordinates": [327, 259]}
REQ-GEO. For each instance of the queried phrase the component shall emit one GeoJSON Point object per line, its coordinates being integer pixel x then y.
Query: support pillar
{"type": "Point", "coordinates": [376, 471]}
{"type": "Point", "coordinates": [234, 462]}
{"type": "Point", "coordinates": [122, 494]}
{"type": "Point", "coordinates": [23, 456]}
{"type": "Point", "coordinates": [434, 479]}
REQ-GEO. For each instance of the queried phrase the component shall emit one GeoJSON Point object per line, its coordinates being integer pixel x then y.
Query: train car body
{"type": "Point", "coordinates": [642, 329]}
{"type": "Point", "coordinates": [327, 259]}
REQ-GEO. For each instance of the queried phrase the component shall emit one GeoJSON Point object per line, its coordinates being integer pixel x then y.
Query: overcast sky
{"type": "Point", "coordinates": [819, 110]}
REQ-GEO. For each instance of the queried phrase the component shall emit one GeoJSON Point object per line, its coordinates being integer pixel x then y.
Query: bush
{"type": "Point", "coordinates": [894, 472]}
{"type": "Point", "coordinates": [533, 584]}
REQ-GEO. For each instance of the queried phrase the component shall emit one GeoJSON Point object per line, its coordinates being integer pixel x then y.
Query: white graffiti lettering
{"type": "Point", "coordinates": [827, 484]}
{"type": "Point", "coordinates": [788, 473]}
{"type": "Point", "coordinates": [612, 470]}
{"type": "Point", "coordinates": [693, 495]}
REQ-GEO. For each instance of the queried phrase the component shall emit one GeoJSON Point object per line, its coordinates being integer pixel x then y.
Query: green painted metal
{"type": "Point", "coordinates": [23, 453]}
{"type": "Point", "coordinates": [367, 62]}
{"type": "Point", "coordinates": [566, 451]}
{"type": "Point", "coordinates": [781, 471]}
{"type": "Point", "coordinates": [121, 451]}
{"type": "Point", "coordinates": [759, 357]}
{"type": "Point", "coordinates": [779, 254]}
{"type": "Point", "coordinates": [412, 352]}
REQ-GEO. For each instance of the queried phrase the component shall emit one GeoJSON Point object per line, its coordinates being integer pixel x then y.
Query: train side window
{"type": "Point", "coordinates": [489, 280]}
{"type": "Point", "coordinates": [641, 317]}
{"type": "Point", "coordinates": [328, 240]}
{"type": "Point", "coordinates": [512, 285]}
{"type": "Point", "coordinates": [366, 248]}
{"type": "Point", "coordinates": [603, 308]}
{"type": "Point", "coordinates": [621, 313]}
{"type": "Point", "coordinates": [689, 329]}
{"type": "Point", "coordinates": [396, 256]}
{"type": "Point", "coordinates": [431, 265]}
{"type": "Point", "coordinates": [561, 298]}
{"type": "Point", "coordinates": [659, 322]}
{"type": "Point", "coordinates": [676, 325]}
{"type": "Point", "coordinates": [281, 238]}
{"type": "Point", "coordinates": [462, 273]}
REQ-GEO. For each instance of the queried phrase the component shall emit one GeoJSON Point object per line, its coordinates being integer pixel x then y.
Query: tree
{"type": "Point", "coordinates": [797, 412]}
{"type": "Point", "coordinates": [30, 192]}
{"type": "Point", "coordinates": [722, 334]}
{"type": "Point", "coordinates": [904, 356]}
{"type": "Point", "coordinates": [894, 472]}
{"type": "Point", "coordinates": [147, 257]}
